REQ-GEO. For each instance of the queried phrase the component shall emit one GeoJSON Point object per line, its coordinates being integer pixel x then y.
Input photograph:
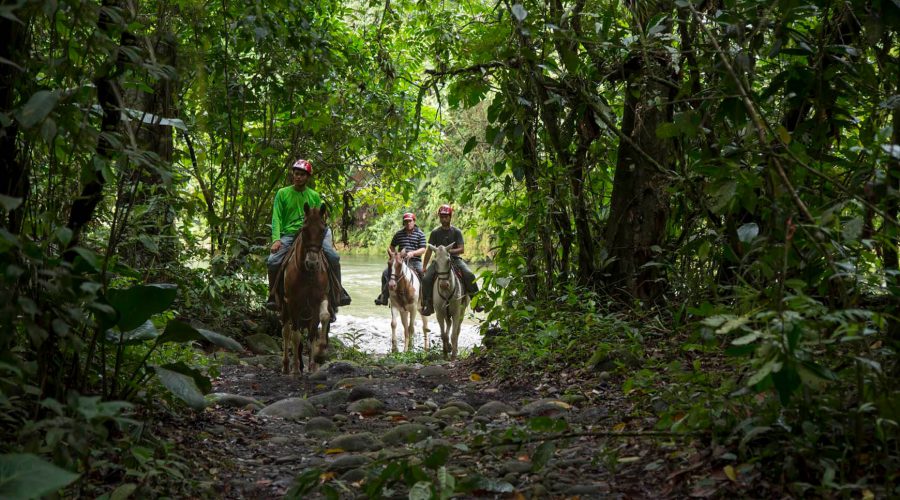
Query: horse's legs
{"type": "Point", "coordinates": [456, 323]}
{"type": "Point", "coordinates": [443, 322]}
{"type": "Point", "coordinates": [394, 314]}
{"type": "Point", "coordinates": [411, 329]}
{"type": "Point", "coordinates": [286, 344]}
{"type": "Point", "coordinates": [424, 327]}
{"type": "Point", "coordinates": [296, 341]}
{"type": "Point", "coordinates": [317, 332]}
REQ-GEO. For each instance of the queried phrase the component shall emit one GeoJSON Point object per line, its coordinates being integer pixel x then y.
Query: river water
{"type": "Point", "coordinates": [368, 326]}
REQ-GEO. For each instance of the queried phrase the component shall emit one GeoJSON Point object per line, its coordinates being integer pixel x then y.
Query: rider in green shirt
{"type": "Point", "coordinates": [287, 219]}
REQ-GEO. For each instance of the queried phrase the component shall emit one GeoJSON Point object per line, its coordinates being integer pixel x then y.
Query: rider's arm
{"type": "Point", "coordinates": [276, 220]}
{"type": "Point", "coordinates": [460, 247]}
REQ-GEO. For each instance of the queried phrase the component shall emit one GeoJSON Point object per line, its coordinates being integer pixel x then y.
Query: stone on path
{"type": "Point", "coordinates": [434, 372]}
{"type": "Point", "coordinates": [449, 413]}
{"type": "Point", "coordinates": [348, 462]}
{"type": "Point", "coordinates": [494, 408]}
{"type": "Point", "coordinates": [462, 405]}
{"type": "Point", "coordinates": [290, 408]}
{"type": "Point", "coordinates": [342, 369]}
{"type": "Point", "coordinates": [269, 361]}
{"type": "Point", "coordinates": [330, 398]}
{"type": "Point", "coordinates": [319, 426]}
{"type": "Point", "coordinates": [545, 408]}
{"type": "Point", "coordinates": [407, 433]}
{"type": "Point", "coordinates": [363, 441]}
{"type": "Point", "coordinates": [361, 392]}
{"type": "Point", "coordinates": [226, 358]}
{"type": "Point", "coordinates": [366, 407]}
{"type": "Point", "coordinates": [262, 344]}
{"type": "Point", "coordinates": [573, 399]}
{"type": "Point", "coordinates": [233, 400]}
{"type": "Point", "coordinates": [516, 466]}
{"type": "Point", "coordinates": [350, 382]}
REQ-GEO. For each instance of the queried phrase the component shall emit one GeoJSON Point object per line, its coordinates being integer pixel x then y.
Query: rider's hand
{"type": "Point", "coordinates": [276, 246]}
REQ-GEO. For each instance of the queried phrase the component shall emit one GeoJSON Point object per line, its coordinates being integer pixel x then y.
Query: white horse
{"type": "Point", "coordinates": [404, 291]}
{"type": "Point", "coordinates": [450, 300]}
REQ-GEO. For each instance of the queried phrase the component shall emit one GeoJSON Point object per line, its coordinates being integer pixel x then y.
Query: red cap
{"type": "Point", "coordinates": [445, 209]}
{"type": "Point", "coordinates": [409, 216]}
{"type": "Point", "coordinates": [303, 165]}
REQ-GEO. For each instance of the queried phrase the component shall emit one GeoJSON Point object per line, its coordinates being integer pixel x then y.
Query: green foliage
{"type": "Point", "coordinates": [27, 476]}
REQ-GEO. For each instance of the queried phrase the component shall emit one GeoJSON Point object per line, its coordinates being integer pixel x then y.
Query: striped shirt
{"type": "Point", "coordinates": [409, 241]}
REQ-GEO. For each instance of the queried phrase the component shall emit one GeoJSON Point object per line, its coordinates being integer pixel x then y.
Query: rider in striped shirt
{"type": "Point", "coordinates": [411, 241]}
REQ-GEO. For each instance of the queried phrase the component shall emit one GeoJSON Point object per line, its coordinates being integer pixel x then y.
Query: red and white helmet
{"type": "Point", "coordinates": [304, 165]}
{"type": "Point", "coordinates": [409, 216]}
{"type": "Point", "coordinates": [445, 210]}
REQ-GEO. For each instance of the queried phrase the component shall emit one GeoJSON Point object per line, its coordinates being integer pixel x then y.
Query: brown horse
{"type": "Point", "coordinates": [304, 303]}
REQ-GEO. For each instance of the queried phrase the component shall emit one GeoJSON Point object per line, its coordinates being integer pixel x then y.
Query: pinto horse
{"type": "Point", "coordinates": [404, 290]}
{"type": "Point", "coordinates": [450, 299]}
{"type": "Point", "coordinates": [304, 302]}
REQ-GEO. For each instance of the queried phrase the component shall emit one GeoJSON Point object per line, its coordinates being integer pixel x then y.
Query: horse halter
{"type": "Point", "coordinates": [453, 282]}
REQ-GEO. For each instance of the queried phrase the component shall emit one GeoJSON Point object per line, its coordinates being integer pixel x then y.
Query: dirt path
{"type": "Point", "coordinates": [380, 431]}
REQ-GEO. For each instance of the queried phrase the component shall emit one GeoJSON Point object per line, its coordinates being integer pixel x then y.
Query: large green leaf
{"type": "Point", "coordinates": [147, 331]}
{"type": "Point", "coordinates": [182, 380]}
{"type": "Point", "coordinates": [137, 304]}
{"type": "Point", "coordinates": [37, 108]}
{"type": "Point", "coordinates": [221, 340]}
{"type": "Point", "coordinates": [24, 476]}
{"type": "Point", "coordinates": [179, 331]}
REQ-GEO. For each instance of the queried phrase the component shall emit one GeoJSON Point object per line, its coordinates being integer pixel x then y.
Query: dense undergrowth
{"type": "Point", "coordinates": [803, 395]}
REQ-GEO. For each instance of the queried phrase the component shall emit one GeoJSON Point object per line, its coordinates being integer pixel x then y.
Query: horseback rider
{"type": "Point", "coordinates": [446, 235]}
{"type": "Point", "coordinates": [410, 240]}
{"type": "Point", "coordinates": [287, 219]}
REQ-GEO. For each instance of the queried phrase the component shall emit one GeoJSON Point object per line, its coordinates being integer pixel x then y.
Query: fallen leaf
{"type": "Point", "coordinates": [868, 495]}
{"type": "Point", "coordinates": [475, 377]}
{"type": "Point", "coordinates": [729, 471]}
{"type": "Point", "coordinates": [619, 427]}
{"type": "Point", "coordinates": [628, 460]}
{"type": "Point", "coordinates": [326, 476]}
{"type": "Point", "coordinates": [332, 451]}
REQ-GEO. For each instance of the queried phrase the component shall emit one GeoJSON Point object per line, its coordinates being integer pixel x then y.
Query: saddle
{"type": "Point", "coordinates": [457, 271]}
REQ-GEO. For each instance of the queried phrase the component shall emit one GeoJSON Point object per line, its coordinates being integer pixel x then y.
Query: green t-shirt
{"type": "Point", "coordinates": [287, 212]}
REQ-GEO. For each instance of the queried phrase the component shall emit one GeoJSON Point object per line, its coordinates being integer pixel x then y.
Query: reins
{"type": "Point", "coordinates": [406, 275]}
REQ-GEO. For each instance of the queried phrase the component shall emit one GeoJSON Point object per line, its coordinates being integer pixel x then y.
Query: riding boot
{"type": "Point", "coordinates": [344, 299]}
{"type": "Point", "coordinates": [271, 303]}
{"type": "Point", "coordinates": [382, 299]}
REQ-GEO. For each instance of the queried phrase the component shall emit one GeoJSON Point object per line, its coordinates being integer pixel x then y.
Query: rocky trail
{"type": "Point", "coordinates": [413, 431]}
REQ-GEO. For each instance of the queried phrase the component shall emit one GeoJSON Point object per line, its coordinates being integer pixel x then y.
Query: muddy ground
{"type": "Point", "coordinates": [490, 440]}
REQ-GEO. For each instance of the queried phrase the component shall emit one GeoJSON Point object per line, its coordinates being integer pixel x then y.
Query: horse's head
{"type": "Point", "coordinates": [442, 264]}
{"type": "Point", "coordinates": [395, 262]}
{"type": "Point", "coordinates": [313, 234]}
{"type": "Point", "coordinates": [441, 257]}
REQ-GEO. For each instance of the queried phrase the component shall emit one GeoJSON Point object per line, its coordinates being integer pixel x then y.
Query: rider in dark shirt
{"type": "Point", "coordinates": [446, 235]}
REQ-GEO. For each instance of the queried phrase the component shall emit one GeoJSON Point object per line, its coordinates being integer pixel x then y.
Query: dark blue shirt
{"type": "Point", "coordinates": [409, 241]}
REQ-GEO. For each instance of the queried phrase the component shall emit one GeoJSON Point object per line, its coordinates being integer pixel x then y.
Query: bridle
{"type": "Point", "coordinates": [454, 283]}
{"type": "Point", "coordinates": [405, 273]}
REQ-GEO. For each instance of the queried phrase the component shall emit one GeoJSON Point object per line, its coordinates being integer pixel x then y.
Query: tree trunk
{"type": "Point", "coordinates": [109, 97]}
{"type": "Point", "coordinates": [13, 173]}
{"type": "Point", "coordinates": [639, 206]}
